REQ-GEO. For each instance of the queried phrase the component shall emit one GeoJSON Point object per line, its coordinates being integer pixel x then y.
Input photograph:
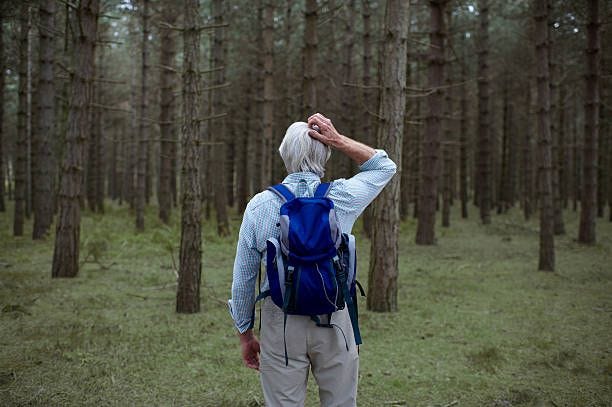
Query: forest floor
{"type": "Point", "coordinates": [477, 325]}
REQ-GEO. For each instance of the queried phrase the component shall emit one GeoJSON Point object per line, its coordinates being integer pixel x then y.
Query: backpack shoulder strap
{"type": "Point", "coordinates": [282, 192]}
{"type": "Point", "coordinates": [322, 190]}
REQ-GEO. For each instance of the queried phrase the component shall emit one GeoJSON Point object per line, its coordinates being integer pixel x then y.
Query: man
{"type": "Point", "coordinates": [305, 150]}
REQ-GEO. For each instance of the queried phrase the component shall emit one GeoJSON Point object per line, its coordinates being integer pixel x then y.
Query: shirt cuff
{"type": "Point", "coordinates": [241, 327]}
{"type": "Point", "coordinates": [373, 162]}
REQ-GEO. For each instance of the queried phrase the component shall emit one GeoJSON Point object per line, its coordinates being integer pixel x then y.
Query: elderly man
{"type": "Point", "coordinates": [305, 150]}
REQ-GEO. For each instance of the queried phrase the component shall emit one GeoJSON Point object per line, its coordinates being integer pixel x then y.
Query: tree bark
{"type": "Point", "coordinates": [383, 271]}
{"type": "Point", "coordinates": [463, 141]}
{"type": "Point", "coordinates": [430, 165]}
{"type": "Point", "coordinates": [503, 203]}
{"type": "Point", "coordinates": [513, 147]}
{"type": "Point", "coordinates": [368, 95]}
{"type": "Point", "coordinates": [21, 143]}
{"type": "Point", "coordinates": [94, 160]}
{"type": "Point", "coordinates": [609, 173]}
{"type": "Point", "coordinates": [219, 134]}
{"type": "Point", "coordinates": [244, 165]}
{"type": "Point", "coordinates": [2, 69]}
{"type": "Point", "coordinates": [484, 142]}
{"type": "Point", "coordinates": [31, 107]}
{"type": "Point", "coordinates": [348, 94]}
{"type": "Point", "coordinates": [143, 130]}
{"type": "Point", "coordinates": [588, 203]}
{"type": "Point", "coordinates": [309, 83]}
{"type": "Point", "coordinates": [448, 146]}
{"type": "Point", "coordinates": [188, 292]}
{"type": "Point", "coordinates": [545, 197]}
{"type": "Point", "coordinates": [577, 160]}
{"type": "Point", "coordinates": [407, 146]}
{"type": "Point", "coordinates": [560, 170]}
{"type": "Point", "coordinates": [43, 205]}
{"type": "Point", "coordinates": [527, 156]}
{"type": "Point", "coordinates": [167, 81]}
{"type": "Point", "coordinates": [267, 28]}
{"type": "Point", "coordinates": [418, 144]}
{"type": "Point", "coordinates": [66, 252]}
{"type": "Point", "coordinates": [602, 149]}
{"type": "Point", "coordinates": [559, 226]}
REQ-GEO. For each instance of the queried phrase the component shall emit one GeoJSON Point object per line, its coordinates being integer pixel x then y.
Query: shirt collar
{"type": "Point", "coordinates": [295, 177]}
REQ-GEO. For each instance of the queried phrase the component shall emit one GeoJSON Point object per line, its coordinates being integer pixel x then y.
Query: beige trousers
{"type": "Point", "coordinates": [309, 347]}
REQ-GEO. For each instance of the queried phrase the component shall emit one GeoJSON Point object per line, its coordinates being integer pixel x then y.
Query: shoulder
{"type": "Point", "coordinates": [261, 201]}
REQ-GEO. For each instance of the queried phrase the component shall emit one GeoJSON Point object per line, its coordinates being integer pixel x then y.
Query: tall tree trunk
{"type": "Point", "coordinates": [463, 141]}
{"type": "Point", "coordinates": [115, 171]}
{"type": "Point", "coordinates": [383, 271]}
{"type": "Point", "coordinates": [484, 138]}
{"type": "Point", "coordinates": [418, 143]}
{"type": "Point", "coordinates": [602, 149]}
{"type": "Point", "coordinates": [430, 166]}
{"type": "Point", "coordinates": [309, 61]}
{"type": "Point", "coordinates": [244, 165]}
{"type": "Point", "coordinates": [188, 292]}
{"type": "Point", "coordinates": [66, 252]}
{"type": "Point", "coordinates": [576, 158]}
{"type": "Point", "coordinates": [93, 158]}
{"type": "Point", "coordinates": [503, 203]}
{"type": "Point", "coordinates": [407, 147]}
{"type": "Point", "coordinates": [513, 147]}
{"type": "Point", "coordinates": [98, 119]}
{"type": "Point", "coordinates": [448, 121]}
{"type": "Point", "coordinates": [368, 96]}
{"type": "Point", "coordinates": [609, 173]}
{"type": "Point", "coordinates": [31, 107]}
{"type": "Point", "coordinates": [141, 183]}
{"type": "Point", "coordinates": [2, 69]}
{"type": "Point", "coordinates": [167, 81]}
{"type": "Point", "coordinates": [21, 144]}
{"type": "Point", "coordinates": [43, 205]}
{"type": "Point", "coordinates": [219, 135]}
{"type": "Point", "coordinates": [289, 110]}
{"type": "Point", "coordinates": [348, 95]}
{"type": "Point", "coordinates": [268, 91]}
{"type": "Point", "coordinates": [559, 159]}
{"type": "Point", "coordinates": [553, 68]}
{"type": "Point", "coordinates": [547, 249]}
{"type": "Point", "coordinates": [130, 143]}
{"type": "Point", "coordinates": [527, 156]}
{"type": "Point", "coordinates": [586, 233]}
{"type": "Point", "coordinates": [256, 131]}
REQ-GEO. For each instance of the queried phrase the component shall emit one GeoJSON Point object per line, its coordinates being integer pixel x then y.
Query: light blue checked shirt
{"type": "Point", "coordinates": [350, 197]}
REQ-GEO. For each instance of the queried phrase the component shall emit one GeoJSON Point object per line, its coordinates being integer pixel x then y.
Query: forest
{"type": "Point", "coordinates": [133, 134]}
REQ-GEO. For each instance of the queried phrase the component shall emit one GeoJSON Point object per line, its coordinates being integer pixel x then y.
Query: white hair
{"type": "Point", "coordinates": [300, 152]}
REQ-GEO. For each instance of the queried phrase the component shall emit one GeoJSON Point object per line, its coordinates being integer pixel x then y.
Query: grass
{"type": "Point", "coordinates": [477, 326]}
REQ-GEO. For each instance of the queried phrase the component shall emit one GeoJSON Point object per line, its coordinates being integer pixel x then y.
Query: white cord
{"type": "Point", "coordinates": [324, 290]}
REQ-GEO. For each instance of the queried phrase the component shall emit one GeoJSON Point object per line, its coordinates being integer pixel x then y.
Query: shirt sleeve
{"type": "Point", "coordinates": [246, 270]}
{"type": "Point", "coordinates": [354, 194]}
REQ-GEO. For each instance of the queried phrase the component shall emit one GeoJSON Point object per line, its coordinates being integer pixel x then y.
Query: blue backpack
{"type": "Point", "coordinates": [311, 267]}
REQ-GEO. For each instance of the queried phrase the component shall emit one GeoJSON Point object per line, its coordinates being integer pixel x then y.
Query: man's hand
{"type": "Point", "coordinates": [249, 345]}
{"type": "Point", "coordinates": [328, 135]}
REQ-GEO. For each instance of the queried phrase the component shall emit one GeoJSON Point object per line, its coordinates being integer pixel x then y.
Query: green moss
{"type": "Point", "coordinates": [477, 323]}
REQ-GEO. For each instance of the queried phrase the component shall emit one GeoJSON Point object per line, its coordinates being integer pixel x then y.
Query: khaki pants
{"type": "Point", "coordinates": [309, 347]}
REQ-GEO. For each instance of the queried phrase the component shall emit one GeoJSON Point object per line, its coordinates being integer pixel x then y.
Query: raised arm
{"type": "Point", "coordinates": [326, 133]}
{"type": "Point", "coordinates": [352, 195]}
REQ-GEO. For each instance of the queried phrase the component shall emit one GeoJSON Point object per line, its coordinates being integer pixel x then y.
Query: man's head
{"type": "Point", "coordinates": [300, 152]}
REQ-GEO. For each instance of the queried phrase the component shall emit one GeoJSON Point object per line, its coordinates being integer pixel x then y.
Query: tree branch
{"type": "Point", "coordinates": [201, 28]}
{"type": "Point", "coordinates": [358, 85]}
{"type": "Point", "coordinates": [112, 108]}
